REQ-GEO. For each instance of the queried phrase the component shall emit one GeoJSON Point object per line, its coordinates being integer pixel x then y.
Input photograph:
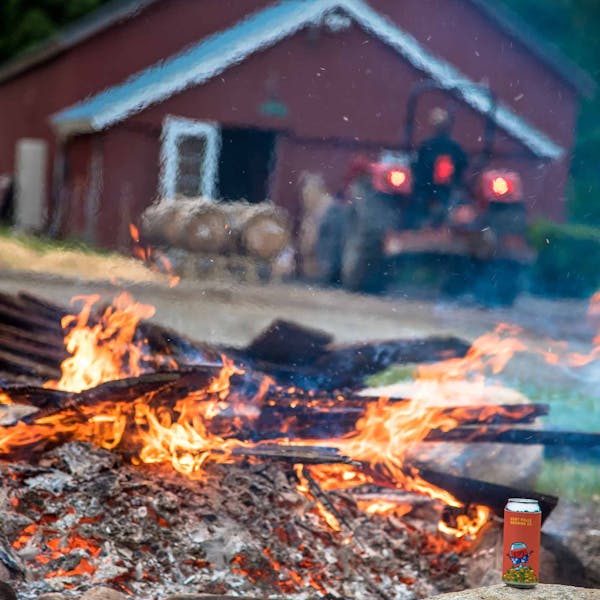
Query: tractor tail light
{"type": "Point", "coordinates": [391, 179]}
{"type": "Point", "coordinates": [443, 170]}
{"type": "Point", "coordinates": [397, 178]}
{"type": "Point", "coordinates": [501, 186]}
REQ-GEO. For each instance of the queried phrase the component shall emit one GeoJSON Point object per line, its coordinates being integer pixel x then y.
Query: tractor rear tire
{"type": "Point", "coordinates": [459, 277]}
{"type": "Point", "coordinates": [363, 261]}
{"type": "Point", "coordinates": [499, 283]}
{"type": "Point", "coordinates": [330, 244]}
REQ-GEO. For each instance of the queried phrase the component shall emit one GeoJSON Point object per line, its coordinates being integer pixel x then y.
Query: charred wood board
{"type": "Point", "coordinates": [308, 455]}
{"type": "Point", "coordinates": [33, 352]}
{"type": "Point", "coordinates": [15, 312]}
{"type": "Point", "coordinates": [130, 388]}
{"type": "Point", "coordinates": [346, 367]}
{"type": "Point", "coordinates": [22, 365]}
{"type": "Point", "coordinates": [493, 495]}
{"type": "Point", "coordinates": [503, 435]}
{"type": "Point", "coordinates": [286, 342]}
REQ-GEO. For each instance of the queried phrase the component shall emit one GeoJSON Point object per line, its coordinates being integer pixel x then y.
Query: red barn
{"type": "Point", "coordinates": [231, 99]}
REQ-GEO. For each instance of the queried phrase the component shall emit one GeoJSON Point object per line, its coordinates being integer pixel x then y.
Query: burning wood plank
{"type": "Point", "coordinates": [308, 455]}
{"type": "Point", "coordinates": [572, 439]}
{"type": "Point", "coordinates": [17, 363]}
{"type": "Point", "coordinates": [473, 491]}
{"type": "Point", "coordinates": [321, 414]}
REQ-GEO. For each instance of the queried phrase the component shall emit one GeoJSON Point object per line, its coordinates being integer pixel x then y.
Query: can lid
{"type": "Point", "coordinates": [523, 500]}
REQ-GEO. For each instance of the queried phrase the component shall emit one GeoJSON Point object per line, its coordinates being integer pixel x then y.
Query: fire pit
{"type": "Point", "coordinates": [136, 458]}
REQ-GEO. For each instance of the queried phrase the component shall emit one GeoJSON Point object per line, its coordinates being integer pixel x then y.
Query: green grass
{"type": "Point", "coordinates": [572, 481]}
{"type": "Point", "coordinates": [570, 408]}
{"type": "Point", "coordinates": [391, 375]}
{"type": "Point", "coordinates": [44, 244]}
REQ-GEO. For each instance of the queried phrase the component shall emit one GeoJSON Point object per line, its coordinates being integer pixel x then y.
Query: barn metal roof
{"type": "Point", "coordinates": [120, 10]}
{"type": "Point", "coordinates": [261, 30]}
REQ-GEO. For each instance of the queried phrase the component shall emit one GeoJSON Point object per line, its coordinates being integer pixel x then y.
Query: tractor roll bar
{"type": "Point", "coordinates": [459, 91]}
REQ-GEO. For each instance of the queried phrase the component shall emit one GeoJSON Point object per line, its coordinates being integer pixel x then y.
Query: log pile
{"type": "Point", "coordinates": [197, 233]}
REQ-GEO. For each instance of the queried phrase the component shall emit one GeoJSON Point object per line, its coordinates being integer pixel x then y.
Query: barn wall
{"type": "Point", "coordinates": [348, 87]}
{"type": "Point", "coordinates": [131, 159]}
{"type": "Point", "coordinates": [164, 28]}
{"type": "Point", "coordinates": [467, 38]}
{"type": "Point", "coordinates": [78, 157]}
{"type": "Point", "coordinates": [337, 108]}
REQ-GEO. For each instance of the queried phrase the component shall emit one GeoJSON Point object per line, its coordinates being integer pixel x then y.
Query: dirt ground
{"type": "Point", "coordinates": [220, 310]}
{"type": "Point", "coordinates": [230, 312]}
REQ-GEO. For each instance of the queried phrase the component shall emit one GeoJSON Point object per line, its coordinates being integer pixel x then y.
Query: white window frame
{"type": "Point", "coordinates": [173, 129]}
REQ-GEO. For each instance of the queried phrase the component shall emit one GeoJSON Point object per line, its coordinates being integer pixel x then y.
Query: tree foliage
{"type": "Point", "coordinates": [573, 25]}
{"type": "Point", "coordinates": [24, 23]}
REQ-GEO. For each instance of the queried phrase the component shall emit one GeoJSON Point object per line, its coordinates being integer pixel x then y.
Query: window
{"type": "Point", "coordinates": [190, 158]}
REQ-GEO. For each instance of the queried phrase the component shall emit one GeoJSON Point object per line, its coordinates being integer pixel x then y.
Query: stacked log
{"type": "Point", "coordinates": [197, 225]}
{"type": "Point", "coordinates": [260, 230]}
{"type": "Point", "coordinates": [198, 229]}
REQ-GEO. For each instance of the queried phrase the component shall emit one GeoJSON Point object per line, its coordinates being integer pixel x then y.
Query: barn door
{"type": "Point", "coordinates": [245, 164]}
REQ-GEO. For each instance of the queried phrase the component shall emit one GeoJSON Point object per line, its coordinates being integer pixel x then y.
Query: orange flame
{"type": "Point", "coordinates": [384, 435]}
{"type": "Point", "coordinates": [157, 263]}
{"type": "Point", "coordinates": [187, 442]}
{"type": "Point", "coordinates": [467, 525]}
{"type": "Point", "coordinates": [105, 350]}
{"type": "Point", "coordinates": [304, 488]}
{"type": "Point", "coordinates": [489, 352]}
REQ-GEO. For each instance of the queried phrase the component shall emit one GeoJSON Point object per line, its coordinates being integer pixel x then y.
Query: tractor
{"type": "Point", "coordinates": [432, 201]}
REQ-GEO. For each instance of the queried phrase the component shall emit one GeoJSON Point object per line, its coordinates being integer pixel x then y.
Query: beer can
{"type": "Point", "coordinates": [522, 531]}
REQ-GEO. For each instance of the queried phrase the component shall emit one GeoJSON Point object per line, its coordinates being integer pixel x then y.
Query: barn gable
{"type": "Point", "coordinates": [266, 28]}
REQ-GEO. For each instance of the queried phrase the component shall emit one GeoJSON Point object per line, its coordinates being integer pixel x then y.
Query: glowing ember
{"type": "Point", "coordinates": [104, 350]}
{"type": "Point", "coordinates": [54, 548]}
{"type": "Point", "coordinates": [467, 525]}
{"type": "Point", "coordinates": [304, 488]}
{"type": "Point", "coordinates": [381, 506]}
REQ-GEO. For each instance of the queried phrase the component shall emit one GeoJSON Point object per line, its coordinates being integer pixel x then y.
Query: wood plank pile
{"type": "Point", "coordinates": [261, 523]}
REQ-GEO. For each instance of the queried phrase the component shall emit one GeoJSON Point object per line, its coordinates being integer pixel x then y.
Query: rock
{"type": "Point", "coordinates": [540, 592]}
{"type": "Point", "coordinates": [201, 596]}
{"type": "Point", "coordinates": [6, 592]}
{"type": "Point", "coordinates": [52, 596]}
{"type": "Point", "coordinates": [103, 593]}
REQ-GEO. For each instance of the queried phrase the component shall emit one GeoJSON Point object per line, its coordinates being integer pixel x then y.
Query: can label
{"type": "Point", "coordinates": [521, 564]}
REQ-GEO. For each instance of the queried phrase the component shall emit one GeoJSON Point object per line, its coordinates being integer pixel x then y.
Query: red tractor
{"type": "Point", "coordinates": [430, 201]}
